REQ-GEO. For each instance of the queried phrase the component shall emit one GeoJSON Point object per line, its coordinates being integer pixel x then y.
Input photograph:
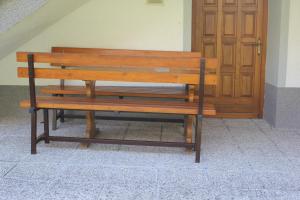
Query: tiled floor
{"type": "Point", "coordinates": [241, 159]}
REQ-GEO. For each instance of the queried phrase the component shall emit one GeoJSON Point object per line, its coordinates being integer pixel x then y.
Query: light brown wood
{"type": "Point", "coordinates": [123, 105]}
{"type": "Point", "coordinates": [211, 63]}
{"type": "Point", "coordinates": [126, 91]}
{"type": "Point", "coordinates": [147, 92]}
{"type": "Point", "coordinates": [90, 131]}
{"type": "Point", "coordinates": [264, 57]}
{"type": "Point", "coordinates": [93, 75]}
{"type": "Point", "coordinates": [96, 60]}
{"type": "Point", "coordinates": [126, 52]}
{"type": "Point", "coordinates": [190, 118]}
{"type": "Point", "coordinates": [230, 31]}
{"type": "Point", "coordinates": [91, 104]}
{"type": "Point", "coordinates": [119, 61]}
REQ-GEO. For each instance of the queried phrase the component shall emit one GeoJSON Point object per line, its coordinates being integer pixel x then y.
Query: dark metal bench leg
{"type": "Point", "coordinates": [198, 137]}
{"type": "Point", "coordinates": [33, 131]}
{"type": "Point", "coordinates": [62, 116]}
{"type": "Point", "coordinates": [46, 125]}
{"type": "Point", "coordinates": [54, 119]}
{"type": "Point", "coordinates": [62, 113]}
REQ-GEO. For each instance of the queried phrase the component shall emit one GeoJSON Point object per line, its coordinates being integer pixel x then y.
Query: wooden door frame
{"type": "Point", "coordinates": [264, 55]}
{"type": "Point", "coordinates": [264, 58]}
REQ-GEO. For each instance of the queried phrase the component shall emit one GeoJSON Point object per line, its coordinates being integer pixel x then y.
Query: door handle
{"type": "Point", "coordinates": [258, 44]}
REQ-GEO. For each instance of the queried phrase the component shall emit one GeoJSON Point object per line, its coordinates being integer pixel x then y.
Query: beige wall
{"type": "Point", "coordinates": [187, 25]}
{"type": "Point", "coordinates": [34, 23]}
{"type": "Point", "coordinates": [131, 24]}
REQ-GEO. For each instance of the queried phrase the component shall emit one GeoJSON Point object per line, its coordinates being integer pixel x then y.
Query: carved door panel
{"type": "Point", "coordinates": [231, 30]}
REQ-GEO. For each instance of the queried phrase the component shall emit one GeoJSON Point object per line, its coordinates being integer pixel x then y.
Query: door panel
{"type": "Point", "coordinates": [229, 30]}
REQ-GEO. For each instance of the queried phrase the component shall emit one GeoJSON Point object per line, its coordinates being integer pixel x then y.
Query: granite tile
{"type": "Point", "coordinates": [5, 167]}
{"type": "Point", "coordinates": [23, 189]}
{"type": "Point", "coordinates": [35, 171]}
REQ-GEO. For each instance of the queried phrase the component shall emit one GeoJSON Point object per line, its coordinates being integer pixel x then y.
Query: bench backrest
{"type": "Point", "coordinates": [180, 70]}
{"type": "Point", "coordinates": [210, 67]}
{"type": "Point", "coordinates": [128, 68]}
{"type": "Point", "coordinates": [135, 53]}
{"type": "Point", "coordinates": [126, 52]}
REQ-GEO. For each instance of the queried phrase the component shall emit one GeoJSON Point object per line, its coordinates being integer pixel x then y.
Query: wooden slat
{"type": "Point", "coordinates": [212, 63]}
{"type": "Point", "coordinates": [96, 60]}
{"type": "Point", "coordinates": [127, 91]}
{"type": "Point", "coordinates": [146, 106]}
{"type": "Point", "coordinates": [127, 52]}
{"type": "Point", "coordinates": [93, 75]}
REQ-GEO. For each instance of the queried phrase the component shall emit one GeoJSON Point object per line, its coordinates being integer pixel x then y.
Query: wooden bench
{"type": "Point", "coordinates": [123, 91]}
{"type": "Point", "coordinates": [126, 68]}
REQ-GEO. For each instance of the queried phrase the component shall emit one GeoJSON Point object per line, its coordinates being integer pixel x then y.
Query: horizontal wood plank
{"type": "Point", "coordinates": [123, 105]}
{"type": "Point", "coordinates": [93, 75]}
{"type": "Point", "coordinates": [127, 52]}
{"type": "Point", "coordinates": [97, 60]}
{"type": "Point", "coordinates": [212, 63]}
{"type": "Point", "coordinates": [127, 91]}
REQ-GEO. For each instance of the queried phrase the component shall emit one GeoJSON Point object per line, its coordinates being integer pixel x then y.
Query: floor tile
{"type": "Point", "coordinates": [74, 191]}
{"type": "Point", "coordinates": [23, 189]}
{"type": "Point", "coordinates": [148, 134]}
{"type": "Point", "coordinates": [13, 154]}
{"type": "Point", "coordinates": [5, 167]}
{"type": "Point", "coordinates": [36, 171]}
{"type": "Point", "coordinates": [240, 159]}
{"type": "Point", "coordinates": [128, 192]}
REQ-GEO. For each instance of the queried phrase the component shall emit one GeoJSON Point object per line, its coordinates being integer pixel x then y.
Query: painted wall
{"type": "Point", "coordinates": [277, 42]}
{"type": "Point", "coordinates": [14, 11]}
{"type": "Point", "coordinates": [283, 57]}
{"type": "Point", "coordinates": [187, 25]}
{"type": "Point", "coordinates": [15, 35]}
{"type": "Point", "coordinates": [293, 61]}
{"type": "Point", "coordinates": [130, 24]}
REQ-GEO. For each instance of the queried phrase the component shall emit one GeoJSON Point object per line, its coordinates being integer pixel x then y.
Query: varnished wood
{"type": "Point", "coordinates": [96, 60]}
{"type": "Point", "coordinates": [126, 52]}
{"type": "Point", "coordinates": [144, 106]}
{"type": "Point", "coordinates": [91, 104]}
{"type": "Point", "coordinates": [127, 91]}
{"type": "Point", "coordinates": [76, 74]}
{"type": "Point", "coordinates": [190, 118]}
{"type": "Point", "coordinates": [229, 30]}
{"type": "Point", "coordinates": [137, 92]}
{"type": "Point", "coordinates": [264, 58]}
{"type": "Point", "coordinates": [90, 131]}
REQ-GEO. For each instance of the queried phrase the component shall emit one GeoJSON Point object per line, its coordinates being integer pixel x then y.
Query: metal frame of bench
{"type": "Point", "coordinates": [47, 138]}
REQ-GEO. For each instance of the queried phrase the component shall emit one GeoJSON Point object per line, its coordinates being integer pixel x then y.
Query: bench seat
{"type": "Point", "coordinates": [127, 91]}
{"type": "Point", "coordinates": [123, 105]}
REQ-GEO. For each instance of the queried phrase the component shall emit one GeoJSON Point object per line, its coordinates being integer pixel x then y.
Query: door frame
{"type": "Point", "coordinates": [264, 59]}
{"type": "Point", "coordinates": [264, 55]}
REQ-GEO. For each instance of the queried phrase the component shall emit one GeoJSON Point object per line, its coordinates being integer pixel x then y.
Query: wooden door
{"type": "Point", "coordinates": [233, 31]}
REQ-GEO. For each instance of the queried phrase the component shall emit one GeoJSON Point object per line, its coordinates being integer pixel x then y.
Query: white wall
{"type": "Point", "coordinates": [283, 57]}
{"type": "Point", "coordinates": [278, 26]}
{"type": "Point", "coordinates": [293, 61]}
{"type": "Point", "coordinates": [130, 24]}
